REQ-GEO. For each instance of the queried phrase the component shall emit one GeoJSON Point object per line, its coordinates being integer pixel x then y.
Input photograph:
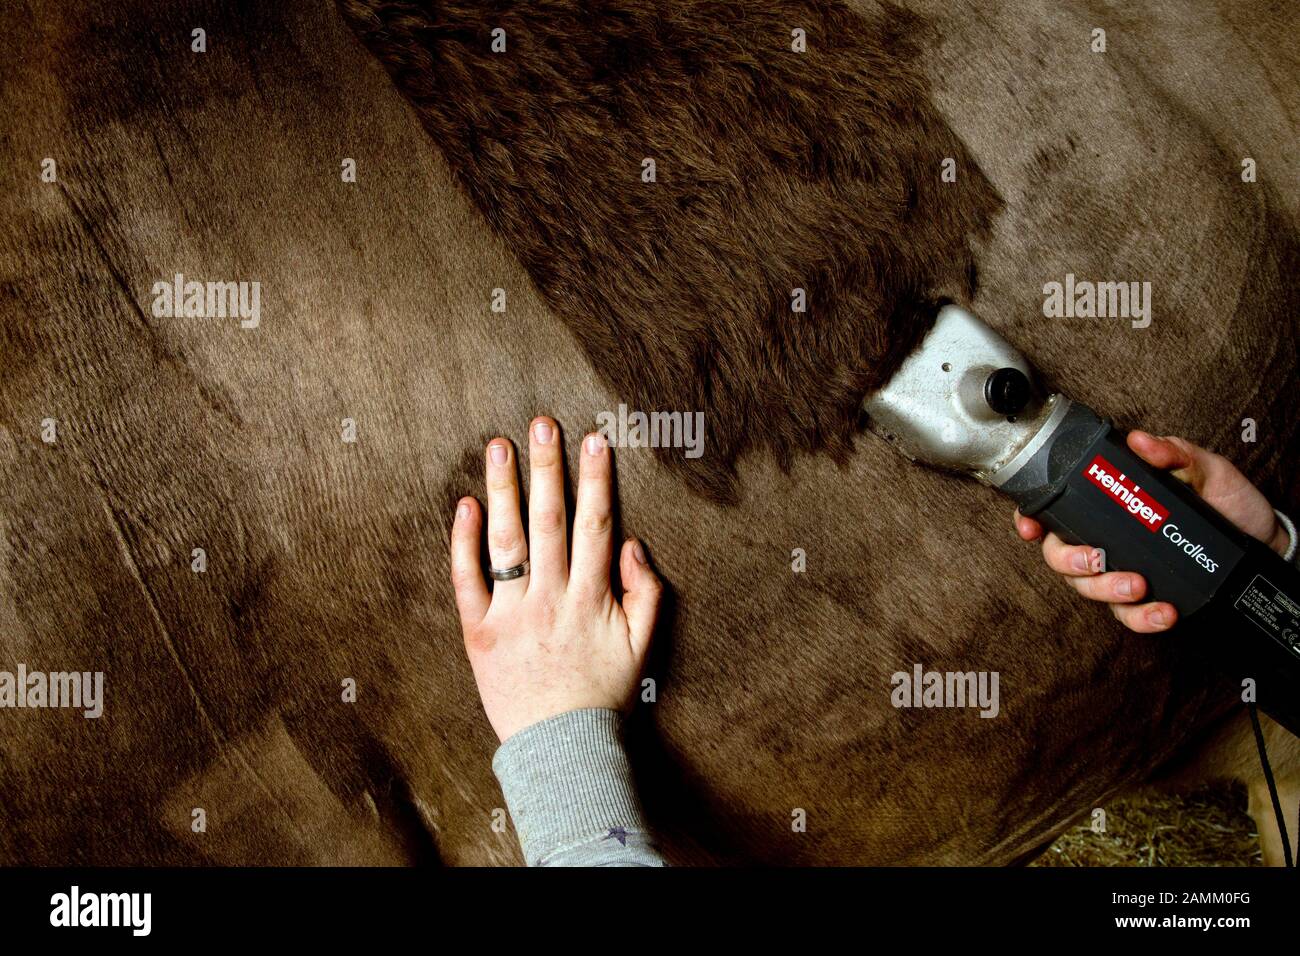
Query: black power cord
{"type": "Point", "coordinates": [1272, 785]}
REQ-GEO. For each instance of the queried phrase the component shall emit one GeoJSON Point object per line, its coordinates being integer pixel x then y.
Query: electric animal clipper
{"type": "Point", "coordinates": [966, 401]}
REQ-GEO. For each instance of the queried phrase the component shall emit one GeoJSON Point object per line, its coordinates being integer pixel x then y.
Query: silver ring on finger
{"type": "Point", "coordinates": [509, 574]}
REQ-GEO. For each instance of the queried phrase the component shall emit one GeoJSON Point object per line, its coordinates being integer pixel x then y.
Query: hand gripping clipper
{"type": "Point", "coordinates": [966, 401]}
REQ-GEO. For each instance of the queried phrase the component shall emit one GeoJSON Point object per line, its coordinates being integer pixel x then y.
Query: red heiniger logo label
{"type": "Point", "coordinates": [1124, 493]}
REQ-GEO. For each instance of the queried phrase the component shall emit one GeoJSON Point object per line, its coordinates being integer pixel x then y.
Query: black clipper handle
{"type": "Point", "coordinates": [1087, 486]}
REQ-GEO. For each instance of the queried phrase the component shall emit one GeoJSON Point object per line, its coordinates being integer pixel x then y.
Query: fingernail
{"type": "Point", "coordinates": [1157, 617]}
{"type": "Point", "coordinates": [638, 552]}
{"type": "Point", "coordinates": [462, 510]}
{"type": "Point", "coordinates": [497, 451]}
{"type": "Point", "coordinates": [542, 432]}
{"type": "Point", "coordinates": [594, 444]}
{"type": "Point", "coordinates": [1081, 561]}
{"type": "Point", "coordinates": [1124, 587]}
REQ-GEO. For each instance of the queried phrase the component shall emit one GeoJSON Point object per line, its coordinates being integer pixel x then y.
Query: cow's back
{"type": "Point", "coordinates": [226, 689]}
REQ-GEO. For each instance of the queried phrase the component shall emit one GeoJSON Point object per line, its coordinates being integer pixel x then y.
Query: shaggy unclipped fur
{"type": "Point", "coordinates": [775, 171]}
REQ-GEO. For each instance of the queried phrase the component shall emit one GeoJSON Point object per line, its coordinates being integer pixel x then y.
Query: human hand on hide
{"type": "Point", "coordinates": [1212, 477]}
{"type": "Point", "coordinates": [554, 639]}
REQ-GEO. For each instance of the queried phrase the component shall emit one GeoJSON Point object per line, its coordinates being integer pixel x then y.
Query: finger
{"type": "Point", "coordinates": [472, 596]}
{"type": "Point", "coordinates": [506, 544]}
{"type": "Point", "coordinates": [592, 518]}
{"type": "Point", "coordinates": [1160, 452]}
{"type": "Point", "coordinates": [547, 546]}
{"type": "Point", "coordinates": [1072, 560]}
{"type": "Point", "coordinates": [1027, 528]}
{"type": "Point", "coordinates": [641, 592]}
{"type": "Point", "coordinates": [1148, 618]}
{"type": "Point", "coordinates": [1169, 453]}
{"type": "Point", "coordinates": [1114, 587]}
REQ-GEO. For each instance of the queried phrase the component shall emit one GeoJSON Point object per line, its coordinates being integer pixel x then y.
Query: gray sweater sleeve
{"type": "Point", "coordinates": [1291, 552]}
{"type": "Point", "coordinates": [569, 788]}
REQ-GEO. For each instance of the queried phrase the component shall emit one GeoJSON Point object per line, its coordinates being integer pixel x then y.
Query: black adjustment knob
{"type": "Point", "coordinates": [1007, 391]}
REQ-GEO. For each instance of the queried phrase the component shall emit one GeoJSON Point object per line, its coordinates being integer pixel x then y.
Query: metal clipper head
{"type": "Point", "coordinates": [965, 401]}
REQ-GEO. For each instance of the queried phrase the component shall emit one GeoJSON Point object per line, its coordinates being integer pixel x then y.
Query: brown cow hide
{"type": "Point", "coordinates": [775, 170]}
{"type": "Point", "coordinates": [327, 560]}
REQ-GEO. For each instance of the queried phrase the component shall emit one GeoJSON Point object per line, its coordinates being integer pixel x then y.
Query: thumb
{"type": "Point", "coordinates": [641, 592]}
{"type": "Point", "coordinates": [1171, 453]}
